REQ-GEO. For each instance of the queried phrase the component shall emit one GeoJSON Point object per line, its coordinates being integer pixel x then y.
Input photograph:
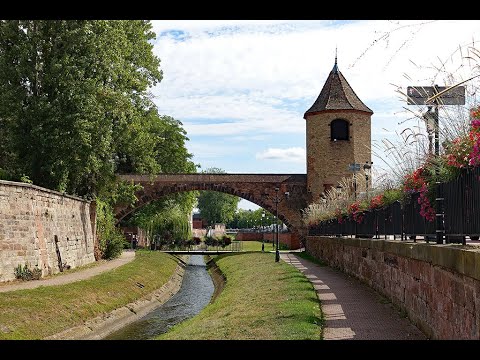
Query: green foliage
{"type": "Point", "coordinates": [111, 240]}
{"type": "Point", "coordinates": [217, 207]}
{"type": "Point", "coordinates": [392, 195]}
{"type": "Point", "coordinates": [25, 273]}
{"type": "Point", "coordinates": [4, 175]}
{"type": "Point", "coordinates": [251, 218]}
{"type": "Point", "coordinates": [25, 179]}
{"type": "Point", "coordinates": [74, 106]}
{"type": "Point", "coordinates": [169, 225]}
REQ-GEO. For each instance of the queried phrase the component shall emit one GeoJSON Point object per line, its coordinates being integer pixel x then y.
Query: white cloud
{"type": "Point", "coordinates": [245, 78]}
{"type": "Point", "coordinates": [294, 154]}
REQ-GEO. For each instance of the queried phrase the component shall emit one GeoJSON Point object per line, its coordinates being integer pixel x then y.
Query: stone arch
{"type": "Point", "coordinates": [259, 189]}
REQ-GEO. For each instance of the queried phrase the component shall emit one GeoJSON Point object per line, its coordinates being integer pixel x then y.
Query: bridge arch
{"type": "Point", "coordinates": [259, 189]}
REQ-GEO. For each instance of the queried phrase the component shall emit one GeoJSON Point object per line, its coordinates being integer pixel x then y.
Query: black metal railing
{"type": "Point", "coordinates": [461, 216]}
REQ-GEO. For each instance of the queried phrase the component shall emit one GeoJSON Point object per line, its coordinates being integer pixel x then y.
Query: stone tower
{"type": "Point", "coordinates": [338, 134]}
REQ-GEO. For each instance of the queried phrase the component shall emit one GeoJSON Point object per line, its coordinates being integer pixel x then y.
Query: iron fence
{"type": "Point", "coordinates": [461, 216]}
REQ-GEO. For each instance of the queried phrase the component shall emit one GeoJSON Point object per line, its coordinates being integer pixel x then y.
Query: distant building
{"type": "Point", "coordinates": [198, 222]}
{"type": "Point", "coordinates": [135, 236]}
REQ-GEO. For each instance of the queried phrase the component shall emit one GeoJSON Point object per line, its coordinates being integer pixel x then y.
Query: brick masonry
{"type": "Point", "coordinates": [438, 286]}
{"type": "Point", "coordinates": [327, 160]}
{"type": "Point", "coordinates": [257, 188]}
{"type": "Point", "coordinates": [32, 218]}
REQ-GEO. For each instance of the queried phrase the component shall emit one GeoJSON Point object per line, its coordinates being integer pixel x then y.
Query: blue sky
{"type": "Point", "coordinates": [241, 87]}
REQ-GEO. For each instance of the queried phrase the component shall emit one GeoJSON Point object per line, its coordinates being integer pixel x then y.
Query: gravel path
{"type": "Point", "coordinates": [66, 278]}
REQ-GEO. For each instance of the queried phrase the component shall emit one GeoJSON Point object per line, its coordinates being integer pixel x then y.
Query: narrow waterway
{"type": "Point", "coordinates": [194, 294]}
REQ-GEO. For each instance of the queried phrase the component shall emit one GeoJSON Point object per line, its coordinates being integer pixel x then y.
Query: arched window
{"type": "Point", "coordinates": [339, 130]}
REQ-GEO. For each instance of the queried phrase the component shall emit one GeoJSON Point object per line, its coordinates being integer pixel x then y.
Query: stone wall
{"type": "Point", "coordinates": [438, 286]}
{"type": "Point", "coordinates": [328, 161]}
{"type": "Point", "coordinates": [38, 225]}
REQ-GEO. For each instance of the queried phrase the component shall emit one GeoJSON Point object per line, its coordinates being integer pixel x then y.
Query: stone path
{"type": "Point", "coordinates": [123, 259]}
{"type": "Point", "coordinates": [353, 310]}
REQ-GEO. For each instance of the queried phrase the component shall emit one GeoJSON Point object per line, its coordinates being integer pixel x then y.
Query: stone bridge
{"type": "Point", "coordinates": [257, 188]}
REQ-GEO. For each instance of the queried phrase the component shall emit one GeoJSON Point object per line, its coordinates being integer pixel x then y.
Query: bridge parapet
{"type": "Point", "coordinates": [257, 188]}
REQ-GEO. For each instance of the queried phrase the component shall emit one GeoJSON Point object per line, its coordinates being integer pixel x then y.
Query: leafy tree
{"type": "Point", "coordinates": [216, 206]}
{"type": "Point", "coordinates": [75, 110]}
{"type": "Point", "coordinates": [251, 218]}
{"type": "Point", "coordinates": [73, 96]}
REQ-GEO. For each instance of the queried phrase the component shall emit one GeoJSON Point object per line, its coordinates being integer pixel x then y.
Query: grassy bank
{"type": "Point", "coordinates": [44, 311]}
{"type": "Point", "coordinates": [261, 300]}
{"type": "Point", "coordinates": [257, 246]}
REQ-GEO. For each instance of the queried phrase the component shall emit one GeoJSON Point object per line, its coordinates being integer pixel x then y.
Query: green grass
{"type": "Point", "coordinates": [47, 310]}
{"type": "Point", "coordinates": [254, 246]}
{"type": "Point", "coordinates": [309, 257]}
{"type": "Point", "coordinates": [257, 246]}
{"type": "Point", "coordinates": [261, 299]}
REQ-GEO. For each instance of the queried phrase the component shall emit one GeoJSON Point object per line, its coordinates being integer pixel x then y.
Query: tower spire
{"type": "Point", "coordinates": [335, 67]}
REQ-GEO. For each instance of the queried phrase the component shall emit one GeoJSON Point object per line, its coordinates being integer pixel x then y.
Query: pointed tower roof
{"type": "Point", "coordinates": [337, 94]}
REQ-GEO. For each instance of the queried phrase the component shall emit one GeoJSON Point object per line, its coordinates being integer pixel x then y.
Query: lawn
{"type": "Point", "coordinates": [47, 310]}
{"type": "Point", "coordinates": [261, 299]}
{"type": "Point", "coordinates": [257, 246]}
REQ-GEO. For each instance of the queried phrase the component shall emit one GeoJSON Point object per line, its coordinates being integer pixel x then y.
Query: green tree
{"type": "Point", "coordinates": [74, 101]}
{"type": "Point", "coordinates": [75, 109]}
{"type": "Point", "coordinates": [216, 206]}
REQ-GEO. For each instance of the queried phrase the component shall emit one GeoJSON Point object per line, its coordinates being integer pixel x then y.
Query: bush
{"type": "Point", "coordinates": [226, 240]}
{"type": "Point", "coordinates": [24, 273]}
{"type": "Point", "coordinates": [114, 245]}
{"type": "Point", "coordinates": [197, 240]}
{"type": "Point", "coordinates": [211, 241]}
{"type": "Point", "coordinates": [110, 239]}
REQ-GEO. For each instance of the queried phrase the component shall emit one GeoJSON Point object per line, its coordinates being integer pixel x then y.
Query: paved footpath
{"type": "Point", "coordinates": [353, 310]}
{"type": "Point", "coordinates": [66, 278]}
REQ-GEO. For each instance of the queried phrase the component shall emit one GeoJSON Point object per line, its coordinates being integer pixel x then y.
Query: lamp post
{"type": "Point", "coordinates": [277, 200]}
{"type": "Point", "coordinates": [261, 227]}
{"type": "Point", "coordinates": [367, 168]}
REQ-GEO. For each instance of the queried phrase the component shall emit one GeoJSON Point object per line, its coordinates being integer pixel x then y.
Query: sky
{"type": "Point", "coordinates": [241, 87]}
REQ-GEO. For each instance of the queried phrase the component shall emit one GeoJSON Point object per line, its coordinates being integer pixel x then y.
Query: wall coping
{"type": "Point", "coordinates": [454, 257]}
{"type": "Point", "coordinates": [39, 188]}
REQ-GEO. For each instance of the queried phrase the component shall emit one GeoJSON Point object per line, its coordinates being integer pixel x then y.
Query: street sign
{"type": "Point", "coordinates": [417, 95]}
{"type": "Point", "coordinates": [354, 167]}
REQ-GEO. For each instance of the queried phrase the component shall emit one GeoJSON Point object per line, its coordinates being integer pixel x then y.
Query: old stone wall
{"type": "Point", "coordinates": [328, 161]}
{"type": "Point", "coordinates": [438, 286]}
{"type": "Point", "coordinates": [40, 226]}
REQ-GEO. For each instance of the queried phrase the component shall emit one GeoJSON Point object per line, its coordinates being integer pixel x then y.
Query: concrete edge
{"type": "Point", "coordinates": [105, 324]}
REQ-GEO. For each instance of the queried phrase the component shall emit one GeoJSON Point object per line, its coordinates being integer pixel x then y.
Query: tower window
{"type": "Point", "coordinates": [339, 130]}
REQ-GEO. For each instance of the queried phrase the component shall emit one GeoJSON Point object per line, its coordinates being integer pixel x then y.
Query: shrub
{"type": "Point", "coordinates": [226, 240]}
{"type": "Point", "coordinates": [197, 240]}
{"type": "Point", "coordinates": [114, 245]}
{"type": "Point", "coordinates": [24, 273]}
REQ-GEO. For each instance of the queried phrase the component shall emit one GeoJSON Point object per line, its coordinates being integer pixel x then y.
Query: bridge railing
{"type": "Point", "coordinates": [234, 246]}
{"type": "Point", "coordinates": [461, 216]}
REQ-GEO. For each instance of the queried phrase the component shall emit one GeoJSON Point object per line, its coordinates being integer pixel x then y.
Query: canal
{"type": "Point", "coordinates": [194, 294]}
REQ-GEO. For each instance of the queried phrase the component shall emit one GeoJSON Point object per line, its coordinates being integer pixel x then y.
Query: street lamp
{"type": "Point", "coordinates": [277, 200]}
{"type": "Point", "coordinates": [367, 168]}
{"type": "Point", "coordinates": [261, 227]}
